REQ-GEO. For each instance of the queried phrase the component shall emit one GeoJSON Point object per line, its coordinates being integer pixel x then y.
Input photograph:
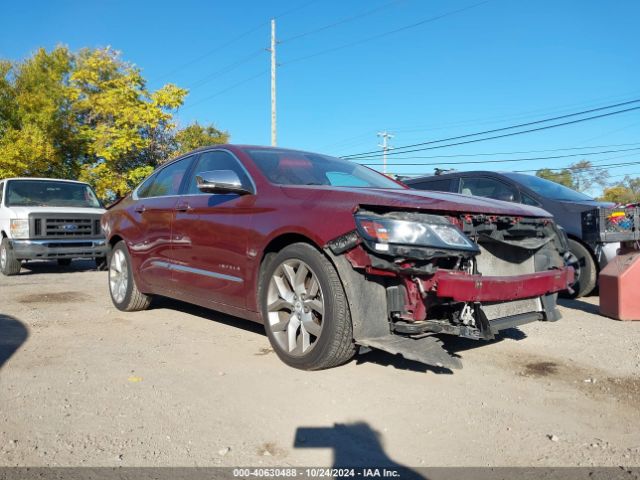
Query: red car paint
{"type": "Point", "coordinates": [228, 235]}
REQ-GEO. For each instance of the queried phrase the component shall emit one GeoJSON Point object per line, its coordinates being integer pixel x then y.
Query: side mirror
{"type": "Point", "coordinates": [221, 181]}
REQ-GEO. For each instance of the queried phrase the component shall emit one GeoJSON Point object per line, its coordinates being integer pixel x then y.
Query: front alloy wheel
{"type": "Point", "coordinates": [305, 310]}
{"type": "Point", "coordinates": [296, 307]}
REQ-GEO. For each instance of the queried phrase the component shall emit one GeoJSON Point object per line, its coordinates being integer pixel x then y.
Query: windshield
{"type": "Point", "coordinates": [50, 193]}
{"type": "Point", "coordinates": [287, 167]}
{"type": "Point", "coordinates": [548, 189]}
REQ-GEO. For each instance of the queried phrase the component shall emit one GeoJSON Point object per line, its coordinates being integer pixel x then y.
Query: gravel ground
{"type": "Point", "coordinates": [84, 384]}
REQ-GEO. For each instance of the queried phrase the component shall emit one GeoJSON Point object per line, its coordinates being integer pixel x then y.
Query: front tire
{"type": "Point", "coordinates": [9, 264]}
{"type": "Point", "coordinates": [305, 309]}
{"type": "Point", "coordinates": [586, 270]}
{"type": "Point", "coordinates": [122, 286]}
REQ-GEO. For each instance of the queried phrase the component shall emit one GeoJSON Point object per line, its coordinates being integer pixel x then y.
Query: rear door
{"type": "Point", "coordinates": [210, 236]}
{"type": "Point", "coordinates": [153, 214]}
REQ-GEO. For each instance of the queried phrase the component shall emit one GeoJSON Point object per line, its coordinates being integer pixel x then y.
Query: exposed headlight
{"type": "Point", "coordinates": [19, 228]}
{"type": "Point", "coordinates": [436, 233]}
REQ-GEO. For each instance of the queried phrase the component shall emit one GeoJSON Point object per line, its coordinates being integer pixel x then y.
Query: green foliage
{"type": "Point", "coordinates": [89, 115]}
{"type": "Point", "coordinates": [563, 177]}
{"type": "Point", "coordinates": [195, 135]}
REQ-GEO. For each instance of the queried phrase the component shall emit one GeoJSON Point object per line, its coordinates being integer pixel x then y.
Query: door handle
{"type": "Point", "coordinates": [140, 209]}
{"type": "Point", "coordinates": [183, 207]}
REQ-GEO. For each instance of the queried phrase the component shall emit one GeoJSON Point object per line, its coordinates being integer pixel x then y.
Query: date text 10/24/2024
{"type": "Point", "coordinates": [316, 472]}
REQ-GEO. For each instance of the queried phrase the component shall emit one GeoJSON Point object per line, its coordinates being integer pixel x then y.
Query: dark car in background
{"type": "Point", "coordinates": [329, 254]}
{"type": "Point", "coordinates": [565, 204]}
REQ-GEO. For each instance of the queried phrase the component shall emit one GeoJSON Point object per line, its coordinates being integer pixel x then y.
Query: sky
{"type": "Point", "coordinates": [423, 70]}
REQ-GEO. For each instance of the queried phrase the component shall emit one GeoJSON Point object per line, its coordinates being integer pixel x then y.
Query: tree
{"type": "Point", "coordinates": [626, 191]}
{"type": "Point", "coordinates": [581, 176]}
{"type": "Point", "coordinates": [563, 177]}
{"type": "Point", "coordinates": [119, 118]}
{"type": "Point", "coordinates": [195, 135]}
{"type": "Point", "coordinates": [585, 176]}
{"type": "Point", "coordinates": [89, 115]}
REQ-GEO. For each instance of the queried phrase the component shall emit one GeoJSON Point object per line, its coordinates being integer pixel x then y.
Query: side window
{"type": "Point", "coordinates": [487, 187]}
{"type": "Point", "coordinates": [443, 185]}
{"type": "Point", "coordinates": [143, 190]}
{"type": "Point", "coordinates": [216, 160]}
{"type": "Point", "coordinates": [167, 181]}
{"type": "Point", "coordinates": [1, 191]}
{"type": "Point", "coordinates": [527, 200]}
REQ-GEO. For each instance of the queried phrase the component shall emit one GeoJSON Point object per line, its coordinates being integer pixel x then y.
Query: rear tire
{"type": "Point", "coordinates": [587, 271]}
{"type": "Point", "coordinates": [305, 309]}
{"type": "Point", "coordinates": [64, 262]}
{"type": "Point", "coordinates": [9, 264]}
{"type": "Point", "coordinates": [122, 286]}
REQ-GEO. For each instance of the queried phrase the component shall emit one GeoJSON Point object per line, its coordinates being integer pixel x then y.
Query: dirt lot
{"type": "Point", "coordinates": [84, 384]}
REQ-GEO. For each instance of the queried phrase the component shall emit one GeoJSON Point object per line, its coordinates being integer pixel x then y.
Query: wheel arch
{"type": "Point", "coordinates": [271, 249]}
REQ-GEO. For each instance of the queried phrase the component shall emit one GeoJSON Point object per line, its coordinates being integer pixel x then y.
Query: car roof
{"type": "Point", "coordinates": [43, 178]}
{"type": "Point", "coordinates": [452, 175]}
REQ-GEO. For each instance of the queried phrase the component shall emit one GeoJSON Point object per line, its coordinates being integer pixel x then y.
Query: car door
{"type": "Point", "coordinates": [210, 236]}
{"type": "Point", "coordinates": [153, 212]}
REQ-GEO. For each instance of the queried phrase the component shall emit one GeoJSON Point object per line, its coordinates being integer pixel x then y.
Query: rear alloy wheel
{"type": "Point", "coordinates": [124, 292]}
{"type": "Point", "coordinates": [9, 265]}
{"type": "Point", "coordinates": [305, 310]}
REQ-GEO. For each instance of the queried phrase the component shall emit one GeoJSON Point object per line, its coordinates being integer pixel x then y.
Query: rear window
{"type": "Point", "coordinates": [50, 193]}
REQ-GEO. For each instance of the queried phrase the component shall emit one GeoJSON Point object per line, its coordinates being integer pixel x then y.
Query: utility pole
{"type": "Point", "coordinates": [385, 148]}
{"type": "Point", "coordinates": [273, 83]}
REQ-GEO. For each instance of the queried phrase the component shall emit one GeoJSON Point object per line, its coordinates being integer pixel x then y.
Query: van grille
{"type": "Point", "coordinates": [65, 227]}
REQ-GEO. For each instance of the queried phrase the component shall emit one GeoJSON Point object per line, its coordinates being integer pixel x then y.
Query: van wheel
{"type": "Point", "coordinates": [585, 269]}
{"type": "Point", "coordinates": [122, 286]}
{"type": "Point", "coordinates": [305, 310]}
{"type": "Point", "coordinates": [9, 265]}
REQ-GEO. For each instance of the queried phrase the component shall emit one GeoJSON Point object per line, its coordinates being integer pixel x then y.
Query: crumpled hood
{"type": "Point", "coordinates": [410, 199]}
{"type": "Point", "coordinates": [23, 212]}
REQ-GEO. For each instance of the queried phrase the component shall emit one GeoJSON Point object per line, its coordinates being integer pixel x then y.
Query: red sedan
{"type": "Point", "coordinates": [332, 256]}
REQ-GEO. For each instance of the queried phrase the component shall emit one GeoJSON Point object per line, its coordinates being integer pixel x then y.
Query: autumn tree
{"type": "Point", "coordinates": [195, 135]}
{"type": "Point", "coordinates": [89, 115]}
{"type": "Point", "coordinates": [626, 191]}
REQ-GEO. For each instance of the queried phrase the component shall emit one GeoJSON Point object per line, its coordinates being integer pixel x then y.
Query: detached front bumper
{"type": "Point", "coordinates": [462, 287]}
{"type": "Point", "coordinates": [63, 248]}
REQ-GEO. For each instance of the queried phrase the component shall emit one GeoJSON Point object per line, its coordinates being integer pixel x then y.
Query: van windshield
{"type": "Point", "coordinates": [50, 193]}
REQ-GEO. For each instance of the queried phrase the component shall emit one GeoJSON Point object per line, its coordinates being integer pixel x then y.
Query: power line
{"type": "Point", "coordinates": [511, 153]}
{"type": "Point", "coordinates": [338, 23]}
{"type": "Point", "coordinates": [225, 69]}
{"type": "Point", "coordinates": [232, 41]}
{"type": "Point", "coordinates": [385, 34]}
{"type": "Point", "coordinates": [511, 127]}
{"type": "Point", "coordinates": [507, 134]}
{"type": "Point", "coordinates": [506, 160]}
{"type": "Point", "coordinates": [235, 85]}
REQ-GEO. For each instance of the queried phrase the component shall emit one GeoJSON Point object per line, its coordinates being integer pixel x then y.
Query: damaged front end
{"type": "Point", "coordinates": [410, 275]}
